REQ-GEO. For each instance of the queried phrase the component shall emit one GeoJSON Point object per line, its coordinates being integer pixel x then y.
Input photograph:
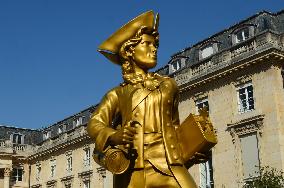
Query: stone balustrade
{"type": "Point", "coordinates": [64, 138]}
{"type": "Point", "coordinates": [227, 57]}
{"type": "Point", "coordinates": [6, 146]}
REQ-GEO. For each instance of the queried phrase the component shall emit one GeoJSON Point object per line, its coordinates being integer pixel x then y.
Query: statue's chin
{"type": "Point", "coordinates": [151, 65]}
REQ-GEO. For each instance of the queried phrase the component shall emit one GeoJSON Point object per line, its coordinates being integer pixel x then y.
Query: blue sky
{"type": "Point", "coordinates": [49, 66]}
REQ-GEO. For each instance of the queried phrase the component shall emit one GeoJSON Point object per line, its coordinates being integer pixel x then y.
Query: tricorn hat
{"type": "Point", "coordinates": [111, 46]}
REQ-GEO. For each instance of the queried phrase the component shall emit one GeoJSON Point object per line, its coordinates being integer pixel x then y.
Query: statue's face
{"type": "Point", "coordinates": [145, 53]}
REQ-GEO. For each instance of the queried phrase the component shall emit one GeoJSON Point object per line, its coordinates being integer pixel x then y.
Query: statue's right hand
{"type": "Point", "coordinates": [123, 136]}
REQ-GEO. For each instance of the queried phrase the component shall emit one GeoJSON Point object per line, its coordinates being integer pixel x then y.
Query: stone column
{"type": "Point", "coordinates": [7, 173]}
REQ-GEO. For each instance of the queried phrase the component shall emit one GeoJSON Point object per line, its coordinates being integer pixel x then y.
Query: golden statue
{"type": "Point", "coordinates": [136, 126]}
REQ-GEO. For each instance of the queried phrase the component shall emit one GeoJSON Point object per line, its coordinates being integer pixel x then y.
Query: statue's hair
{"type": "Point", "coordinates": [125, 54]}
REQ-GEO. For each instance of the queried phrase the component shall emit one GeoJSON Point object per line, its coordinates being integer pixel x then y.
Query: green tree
{"type": "Point", "coordinates": [268, 178]}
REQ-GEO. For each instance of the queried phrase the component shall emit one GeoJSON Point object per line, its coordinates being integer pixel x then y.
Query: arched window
{"type": "Point", "coordinates": [177, 63]}
{"type": "Point", "coordinates": [242, 33]}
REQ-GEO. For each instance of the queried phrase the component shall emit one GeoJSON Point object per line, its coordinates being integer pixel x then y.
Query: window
{"type": "Point", "coordinates": [242, 35]}
{"type": "Point", "coordinates": [52, 167]}
{"type": "Point", "coordinates": [87, 157]}
{"type": "Point", "coordinates": [86, 184]}
{"type": "Point", "coordinates": [250, 155]}
{"type": "Point", "coordinates": [60, 129]}
{"type": "Point", "coordinates": [245, 98]}
{"type": "Point", "coordinates": [46, 135]}
{"type": "Point", "coordinates": [206, 174]}
{"type": "Point", "coordinates": [176, 65]}
{"type": "Point", "coordinates": [69, 162]}
{"type": "Point", "coordinates": [201, 103]}
{"type": "Point", "coordinates": [17, 174]}
{"type": "Point", "coordinates": [38, 171]}
{"type": "Point", "coordinates": [78, 121]}
{"type": "Point", "coordinates": [207, 51]}
{"type": "Point", "coordinates": [17, 138]}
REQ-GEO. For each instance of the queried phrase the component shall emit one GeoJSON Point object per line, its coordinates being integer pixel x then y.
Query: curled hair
{"type": "Point", "coordinates": [128, 73]}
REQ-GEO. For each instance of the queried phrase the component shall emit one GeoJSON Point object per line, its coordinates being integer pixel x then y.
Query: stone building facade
{"type": "Point", "coordinates": [237, 73]}
{"type": "Point", "coordinates": [57, 156]}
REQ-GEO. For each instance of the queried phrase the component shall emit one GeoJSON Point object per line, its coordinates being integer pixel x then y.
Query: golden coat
{"type": "Point", "coordinates": [124, 101]}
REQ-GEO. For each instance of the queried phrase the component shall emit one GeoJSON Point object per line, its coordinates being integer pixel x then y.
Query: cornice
{"type": "Point", "coordinates": [246, 126]}
{"type": "Point", "coordinates": [54, 148]}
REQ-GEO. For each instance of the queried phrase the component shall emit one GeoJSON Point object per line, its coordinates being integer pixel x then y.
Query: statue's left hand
{"type": "Point", "coordinates": [198, 158]}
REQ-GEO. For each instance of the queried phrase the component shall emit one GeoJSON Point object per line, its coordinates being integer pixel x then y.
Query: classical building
{"type": "Point", "coordinates": [57, 156]}
{"type": "Point", "coordinates": [237, 73]}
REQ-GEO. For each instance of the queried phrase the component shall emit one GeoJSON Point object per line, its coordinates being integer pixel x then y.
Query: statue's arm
{"type": "Point", "coordinates": [175, 117]}
{"type": "Point", "coordinates": [99, 126]}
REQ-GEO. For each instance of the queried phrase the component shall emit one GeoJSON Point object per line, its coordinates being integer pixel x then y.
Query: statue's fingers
{"type": "Point", "coordinates": [131, 130]}
{"type": "Point", "coordinates": [127, 139]}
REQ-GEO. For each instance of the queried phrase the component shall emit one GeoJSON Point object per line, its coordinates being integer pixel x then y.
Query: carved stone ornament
{"type": "Point", "coordinates": [36, 186]}
{"type": "Point", "coordinates": [51, 184]}
{"type": "Point", "coordinates": [102, 172]}
{"type": "Point", "coordinates": [7, 172]}
{"type": "Point", "coordinates": [246, 126]}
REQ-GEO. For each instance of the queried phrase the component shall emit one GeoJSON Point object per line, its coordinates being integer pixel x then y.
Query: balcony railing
{"type": "Point", "coordinates": [6, 146]}
{"type": "Point", "coordinates": [258, 43]}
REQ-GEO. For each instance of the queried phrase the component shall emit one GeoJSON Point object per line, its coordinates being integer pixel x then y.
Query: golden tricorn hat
{"type": "Point", "coordinates": [110, 47]}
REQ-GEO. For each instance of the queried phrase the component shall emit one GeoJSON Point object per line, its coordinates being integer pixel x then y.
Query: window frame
{"type": "Point", "coordinates": [258, 154]}
{"type": "Point", "coordinates": [201, 101]}
{"type": "Point", "coordinates": [241, 108]}
{"type": "Point", "coordinates": [87, 157]}
{"type": "Point", "coordinates": [16, 178]}
{"type": "Point", "coordinates": [52, 168]}
{"type": "Point", "coordinates": [22, 140]}
{"type": "Point", "coordinates": [69, 162]}
{"type": "Point", "coordinates": [38, 171]}
{"type": "Point", "coordinates": [46, 134]}
{"type": "Point", "coordinates": [213, 44]}
{"type": "Point", "coordinates": [251, 33]}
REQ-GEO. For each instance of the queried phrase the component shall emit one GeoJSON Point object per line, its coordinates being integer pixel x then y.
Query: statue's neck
{"type": "Point", "coordinates": [139, 71]}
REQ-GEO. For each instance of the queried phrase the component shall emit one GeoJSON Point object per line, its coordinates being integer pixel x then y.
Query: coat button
{"type": "Point", "coordinates": [175, 157]}
{"type": "Point", "coordinates": [168, 124]}
{"type": "Point", "coordinates": [172, 146]}
{"type": "Point", "coordinates": [169, 101]}
{"type": "Point", "coordinates": [170, 136]}
{"type": "Point", "coordinates": [168, 112]}
{"type": "Point", "coordinates": [136, 114]}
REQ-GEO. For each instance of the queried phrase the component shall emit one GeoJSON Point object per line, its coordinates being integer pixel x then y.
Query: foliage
{"type": "Point", "coordinates": [268, 178]}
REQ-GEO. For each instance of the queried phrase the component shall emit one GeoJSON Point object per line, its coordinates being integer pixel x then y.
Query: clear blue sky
{"type": "Point", "coordinates": [49, 65]}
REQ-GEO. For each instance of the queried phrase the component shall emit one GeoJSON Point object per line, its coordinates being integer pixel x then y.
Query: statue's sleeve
{"type": "Point", "coordinates": [99, 126]}
{"type": "Point", "coordinates": [175, 118]}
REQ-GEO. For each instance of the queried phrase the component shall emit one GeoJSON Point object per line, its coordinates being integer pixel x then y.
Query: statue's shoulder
{"type": "Point", "coordinates": [113, 92]}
